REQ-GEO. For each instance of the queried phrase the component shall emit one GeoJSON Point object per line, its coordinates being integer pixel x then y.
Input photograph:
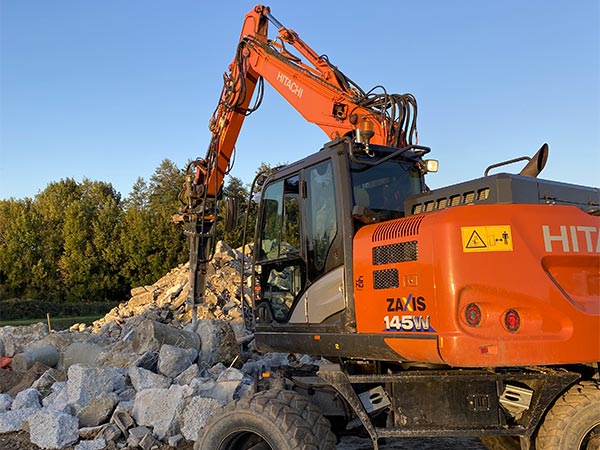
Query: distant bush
{"type": "Point", "coordinates": [16, 309]}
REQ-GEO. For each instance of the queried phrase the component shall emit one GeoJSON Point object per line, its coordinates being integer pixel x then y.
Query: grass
{"type": "Point", "coordinates": [58, 323]}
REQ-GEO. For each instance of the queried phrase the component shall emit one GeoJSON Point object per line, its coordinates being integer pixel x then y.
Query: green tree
{"type": "Point", "coordinates": [90, 263]}
{"type": "Point", "coordinates": [20, 251]}
{"type": "Point", "coordinates": [152, 243]}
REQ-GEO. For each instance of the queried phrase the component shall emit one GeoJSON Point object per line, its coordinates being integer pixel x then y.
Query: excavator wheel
{"type": "Point", "coordinates": [269, 420]}
{"type": "Point", "coordinates": [573, 423]}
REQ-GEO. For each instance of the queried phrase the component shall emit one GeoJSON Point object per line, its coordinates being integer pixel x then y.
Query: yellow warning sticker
{"type": "Point", "coordinates": [494, 238]}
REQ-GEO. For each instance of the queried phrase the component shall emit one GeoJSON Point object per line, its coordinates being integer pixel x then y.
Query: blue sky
{"type": "Point", "coordinates": [108, 89]}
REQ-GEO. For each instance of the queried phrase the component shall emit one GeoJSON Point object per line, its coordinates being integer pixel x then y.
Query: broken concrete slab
{"type": "Point", "coordinates": [218, 343]}
{"type": "Point", "coordinates": [187, 375]}
{"type": "Point", "coordinates": [28, 398]}
{"type": "Point", "coordinates": [195, 415]}
{"type": "Point", "coordinates": [144, 379]}
{"type": "Point", "coordinates": [85, 383]}
{"type": "Point", "coordinates": [173, 360]}
{"type": "Point", "coordinates": [53, 430]}
{"type": "Point", "coordinates": [14, 340]}
{"type": "Point", "coordinates": [13, 420]}
{"type": "Point", "coordinates": [160, 409]}
{"type": "Point", "coordinates": [98, 410]}
{"type": "Point", "coordinates": [151, 336]}
{"type": "Point", "coordinates": [83, 353]}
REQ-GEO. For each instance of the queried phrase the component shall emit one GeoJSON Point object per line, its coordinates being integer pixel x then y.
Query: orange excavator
{"type": "Point", "coordinates": [470, 310]}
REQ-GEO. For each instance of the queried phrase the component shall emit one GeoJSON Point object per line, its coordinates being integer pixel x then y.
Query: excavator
{"type": "Point", "coordinates": [469, 310]}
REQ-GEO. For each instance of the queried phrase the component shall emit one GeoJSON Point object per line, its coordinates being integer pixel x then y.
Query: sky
{"type": "Point", "coordinates": [106, 90]}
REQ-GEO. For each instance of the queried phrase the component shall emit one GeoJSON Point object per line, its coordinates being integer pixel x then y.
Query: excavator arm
{"type": "Point", "coordinates": [318, 90]}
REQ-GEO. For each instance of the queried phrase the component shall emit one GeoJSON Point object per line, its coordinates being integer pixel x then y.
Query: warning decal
{"type": "Point", "coordinates": [495, 238]}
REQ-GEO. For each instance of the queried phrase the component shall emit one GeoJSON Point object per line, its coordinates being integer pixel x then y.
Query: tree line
{"type": "Point", "coordinates": [81, 242]}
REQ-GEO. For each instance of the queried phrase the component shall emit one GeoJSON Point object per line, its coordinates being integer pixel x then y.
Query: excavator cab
{"type": "Point", "coordinates": [309, 212]}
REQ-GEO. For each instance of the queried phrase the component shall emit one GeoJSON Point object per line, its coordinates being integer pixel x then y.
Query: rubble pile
{"type": "Point", "coordinates": [144, 376]}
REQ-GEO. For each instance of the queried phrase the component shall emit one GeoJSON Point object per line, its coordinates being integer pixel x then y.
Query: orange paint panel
{"type": "Point", "coordinates": [550, 277]}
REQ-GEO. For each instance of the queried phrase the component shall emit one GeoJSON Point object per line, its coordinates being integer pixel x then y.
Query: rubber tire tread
{"type": "Point", "coordinates": [578, 404]}
{"type": "Point", "coordinates": [299, 424]}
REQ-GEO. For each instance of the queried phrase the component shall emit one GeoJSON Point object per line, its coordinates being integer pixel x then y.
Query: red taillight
{"type": "Point", "coordinates": [512, 320]}
{"type": "Point", "coordinates": [472, 315]}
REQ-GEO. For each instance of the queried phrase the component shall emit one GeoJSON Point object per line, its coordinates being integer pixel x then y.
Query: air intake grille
{"type": "Point", "coordinates": [385, 279]}
{"type": "Point", "coordinates": [395, 229]}
{"type": "Point", "coordinates": [395, 253]}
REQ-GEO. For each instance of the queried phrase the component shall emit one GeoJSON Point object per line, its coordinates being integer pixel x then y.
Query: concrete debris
{"type": "Point", "coordinates": [174, 360]}
{"type": "Point", "coordinates": [145, 379]}
{"type": "Point", "coordinates": [141, 377]}
{"type": "Point", "coordinates": [5, 402]}
{"type": "Point", "coordinates": [98, 410]}
{"type": "Point", "coordinates": [53, 430]}
{"type": "Point", "coordinates": [29, 398]}
{"type": "Point", "coordinates": [96, 444]}
{"type": "Point", "coordinates": [14, 340]}
{"type": "Point", "coordinates": [14, 420]}
{"type": "Point", "coordinates": [195, 415]}
{"type": "Point", "coordinates": [47, 355]}
{"type": "Point", "coordinates": [160, 409]}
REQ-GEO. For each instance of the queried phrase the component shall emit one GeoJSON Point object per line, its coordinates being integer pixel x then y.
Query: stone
{"type": "Point", "coordinates": [136, 434]}
{"type": "Point", "coordinates": [96, 444]}
{"type": "Point", "coordinates": [13, 420]}
{"type": "Point", "coordinates": [148, 442]}
{"type": "Point", "coordinates": [98, 410]}
{"type": "Point", "coordinates": [83, 353]}
{"type": "Point", "coordinates": [195, 415]}
{"type": "Point", "coordinates": [53, 430]}
{"type": "Point", "coordinates": [48, 378]}
{"type": "Point", "coordinates": [85, 383]}
{"type": "Point", "coordinates": [47, 355]}
{"type": "Point", "coordinates": [144, 379]}
{"type": "Point", "coordinates": [28, 398]}
{"type": "Point", "coordinates": [151, 336]}
{"type": "Point", "coordinates": [218, 343]}
{"type": "Point", "coordinates": [148, 361]}
{"type": "Point", "coordinates": [187, 375]}
{"type": "Point", "coordinates": [173, 360]}
{"type": "Point", "coordinates": [14, 340]}
{"type": "Point", "coordinates": [89, 433]}
{"type": "Point", "coordinates": [58, 399]}
{"type": "Point", "coordinates": [5, 402]}
{"type": "Point", "coordinates": [174, 441]}
{"type": "Point", "coordinates": [160, 408]}
{"type": "Point", "coordinates": [109, 432]}
{"type": "Point", "coordinates": [122, 420]}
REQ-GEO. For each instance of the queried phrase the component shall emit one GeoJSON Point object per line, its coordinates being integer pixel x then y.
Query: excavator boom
{"type": "Point", "coordinates": [318, 90]}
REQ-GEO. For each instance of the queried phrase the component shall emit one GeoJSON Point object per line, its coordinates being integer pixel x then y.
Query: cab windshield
{"type": "Point", "coordinates": [384, 187]}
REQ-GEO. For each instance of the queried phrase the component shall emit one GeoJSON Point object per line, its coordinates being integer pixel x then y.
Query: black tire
{"type": "Point", "coordinates": [573, 423]}
{"type": "Point", "coordinates": [270, 420]}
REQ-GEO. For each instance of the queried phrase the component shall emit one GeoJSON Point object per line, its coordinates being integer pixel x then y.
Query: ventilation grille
{"type": "Point", "coordinates": [465, 198]}
{"type": "Point", "coordinates": [385, 279]}
{"type": "Point", "coordinates": [397, 229]}
{"type": "Point", "coordinates": [395, 253]}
